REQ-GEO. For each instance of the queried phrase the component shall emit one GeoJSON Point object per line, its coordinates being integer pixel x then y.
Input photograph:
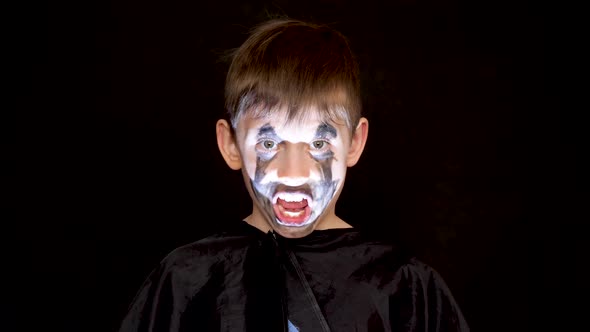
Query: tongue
{"type": "Point", "coordinates": [292, 205]}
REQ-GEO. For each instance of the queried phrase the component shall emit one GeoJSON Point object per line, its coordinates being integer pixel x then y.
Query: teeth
{"type": "Point", "coordinates": [293, 214]}
{"type": "Point", "coordinates": [291, 197]}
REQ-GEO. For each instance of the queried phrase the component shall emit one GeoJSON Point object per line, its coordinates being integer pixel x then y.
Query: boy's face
{"type": "Point", "coordinates": [294, 170]}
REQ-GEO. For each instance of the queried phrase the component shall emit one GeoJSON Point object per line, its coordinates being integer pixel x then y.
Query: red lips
{"type": "Point", "coordinates": [292, 205]}
{"type": "Point", "coordinates": [292, 213]}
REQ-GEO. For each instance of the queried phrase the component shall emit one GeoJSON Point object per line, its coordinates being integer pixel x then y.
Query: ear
{"type": "Point", "coordinates": [357, 145]}
{"type": "Point", "coordinates": [227, 145]}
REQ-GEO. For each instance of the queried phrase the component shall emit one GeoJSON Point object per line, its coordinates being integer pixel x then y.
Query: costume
{"type": "Point", "coordinates": [331, 280]}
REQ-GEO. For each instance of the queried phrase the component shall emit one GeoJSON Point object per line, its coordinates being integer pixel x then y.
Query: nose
{"type": "Point", "coordinates": [294, 164]}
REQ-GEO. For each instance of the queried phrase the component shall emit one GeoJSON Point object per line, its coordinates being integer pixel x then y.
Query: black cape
{"type": "Point", "coordinates": [331, 280]}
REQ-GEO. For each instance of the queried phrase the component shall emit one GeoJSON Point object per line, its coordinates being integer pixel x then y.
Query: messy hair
{"type": "Point", "coordinates": [294, 65]}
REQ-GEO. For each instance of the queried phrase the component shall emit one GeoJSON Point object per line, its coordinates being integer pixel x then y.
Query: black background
{"type": "Point", "coordinates": [473, 158]}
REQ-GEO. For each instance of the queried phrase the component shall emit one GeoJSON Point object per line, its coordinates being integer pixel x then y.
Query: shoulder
{"type": "Point", "coordinates": [419, 272]}
{"type": "Point", "coordinates": [405, 265]}
{"type": "Point", "coordinates": [210, 251]}
{"type": "Point", "coordinates": [393, 261]}
{"type": "Point", "coordinates": [421, 293]}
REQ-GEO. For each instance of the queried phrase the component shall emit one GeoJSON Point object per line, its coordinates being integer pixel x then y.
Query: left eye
{"type": "Point", "coordinates": [268, 144]}
{"type": "Point", "coordinates": [318, 145]}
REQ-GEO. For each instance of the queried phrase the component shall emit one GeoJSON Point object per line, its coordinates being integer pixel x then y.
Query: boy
{"type": "Point", "coordinates": [295, 126]}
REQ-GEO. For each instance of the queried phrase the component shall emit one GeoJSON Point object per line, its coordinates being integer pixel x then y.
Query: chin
{"type": "Point", "coordinates": [293, 231]}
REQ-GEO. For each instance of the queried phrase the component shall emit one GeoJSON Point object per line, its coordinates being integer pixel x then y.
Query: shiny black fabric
{"type": "Point", "coordinates": [332, 280]}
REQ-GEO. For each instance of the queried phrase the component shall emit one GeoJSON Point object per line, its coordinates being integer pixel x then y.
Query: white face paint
{"type": "Point", "coordinates": [295, 168]}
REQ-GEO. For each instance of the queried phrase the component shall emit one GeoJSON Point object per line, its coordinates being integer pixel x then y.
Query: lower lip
{"type": "Point", "coordinates": [298, 219]}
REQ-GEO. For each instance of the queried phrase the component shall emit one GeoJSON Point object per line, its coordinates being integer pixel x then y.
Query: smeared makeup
{"type": "Point", "coordinates": [295, 167]}
{"type": "Point", "coordinates": [301, 204]}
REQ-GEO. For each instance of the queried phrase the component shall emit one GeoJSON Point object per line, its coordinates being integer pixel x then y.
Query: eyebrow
{"type": "Point", "coordinates": [324, 130]}
{"type": "Point", "coordinates": [268, 131]}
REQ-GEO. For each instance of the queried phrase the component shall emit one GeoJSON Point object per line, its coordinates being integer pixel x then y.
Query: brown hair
{"type": "Point", "coordinates": [287, 62]}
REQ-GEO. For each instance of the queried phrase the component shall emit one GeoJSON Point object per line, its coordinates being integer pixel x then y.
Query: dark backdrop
{"type": "Point", "coordinates": [472, 159]}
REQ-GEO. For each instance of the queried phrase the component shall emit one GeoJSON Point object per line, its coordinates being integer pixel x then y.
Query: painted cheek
{"type": "Point", "coordinates": [250, 164]}
{"type": "Point", "coordinates": [338, 168]}
{"type": "Point", "coordinates": [318, 171]}
{"type": "Point", "coordinates": [341, 152]}
{"type": "Point", "coordinates": [249, 153]}
{"type": "Point", "coordinates": [338, 172]}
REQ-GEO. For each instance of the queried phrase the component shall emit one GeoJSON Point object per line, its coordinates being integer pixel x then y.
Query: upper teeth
{"type": "Point", "coordinates": [291, 197]}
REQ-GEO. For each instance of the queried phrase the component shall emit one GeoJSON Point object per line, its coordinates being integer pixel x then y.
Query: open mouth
{"type": "Point", "coordinates": [292, 208]}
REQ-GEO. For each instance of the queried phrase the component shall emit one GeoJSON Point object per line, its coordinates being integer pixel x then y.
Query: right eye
{"type": "Point", "coordinates": [267, 145]}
